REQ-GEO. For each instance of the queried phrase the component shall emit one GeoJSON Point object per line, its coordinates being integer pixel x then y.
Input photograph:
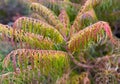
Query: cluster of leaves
{"type": "Point", "coordinates": [51, 49]}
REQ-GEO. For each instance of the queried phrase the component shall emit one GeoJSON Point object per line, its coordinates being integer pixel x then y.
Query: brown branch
{"type": "Point", "coordinates": [78, 63]}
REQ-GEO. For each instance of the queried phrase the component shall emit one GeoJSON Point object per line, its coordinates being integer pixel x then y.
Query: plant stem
{"type": "Point", "coordinates": [78, 63]}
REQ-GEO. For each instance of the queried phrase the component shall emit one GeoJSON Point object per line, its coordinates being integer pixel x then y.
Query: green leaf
{"type": "Point", "coordinates": [38, 27]}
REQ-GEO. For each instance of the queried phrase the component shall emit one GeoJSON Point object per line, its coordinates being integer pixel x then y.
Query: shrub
{"type": "Point", "coordinates": [53, 51]}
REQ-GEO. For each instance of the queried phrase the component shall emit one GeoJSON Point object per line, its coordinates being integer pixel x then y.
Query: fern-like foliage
{"type": "Point", "coordinates": [83, 21]}
{"type": "Point", "coordinates": [35, 56]}
{"type": "Point", "coordinates": [39, 27]}
{"type": "Point", "coordinates": [86, 36]}
{"type": "Point", "coordinates": [77, 25]}
{"type": "Point", "coordinates": [47, 61]}
{"type": "Point", "coordinates": [63, 17]}
{"type": "Point", "coordinates": [37, 16]}
{"type": "Point", "coordinates": [32, 40]}
{"type": "Point", "coordinates": [49, 16]}
{"type": "Point", "coordinates": [49, 42]}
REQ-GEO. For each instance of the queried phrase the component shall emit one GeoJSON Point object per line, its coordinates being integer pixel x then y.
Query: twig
{"type": "Point", "coordinates": [78, 63]}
